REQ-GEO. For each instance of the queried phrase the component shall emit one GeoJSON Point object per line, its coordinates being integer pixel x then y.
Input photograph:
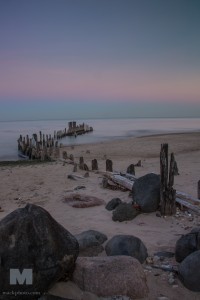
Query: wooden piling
{"type": "Point", "coordinates": [167, 193]}
{"type": "Point", "coordinates": [94, 164]}
{"type": "Point", "coordinates": [198, 189]}
{"type": "Point", "coordinates": [131, 169]}
{"type": "Point", "coordinates": [109, 165]}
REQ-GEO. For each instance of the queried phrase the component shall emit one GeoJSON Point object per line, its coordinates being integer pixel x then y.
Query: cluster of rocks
{"type": "Point", "coordinates": [146, 199]}
{"type": "Point", "coordinates": [187, 253]}
{"type": "Point", "coordinates": [32, 239]}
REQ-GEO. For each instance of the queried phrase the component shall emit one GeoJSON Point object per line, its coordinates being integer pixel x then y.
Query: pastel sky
{"type": "Point", "coordinates": [99, 58]}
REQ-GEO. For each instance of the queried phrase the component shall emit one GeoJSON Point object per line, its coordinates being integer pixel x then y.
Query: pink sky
{"type": "Point", "coordinates": [28, 80]}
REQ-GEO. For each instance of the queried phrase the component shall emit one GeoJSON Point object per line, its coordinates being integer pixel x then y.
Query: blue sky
{"type": "Point", "coordinates": [99, 58]}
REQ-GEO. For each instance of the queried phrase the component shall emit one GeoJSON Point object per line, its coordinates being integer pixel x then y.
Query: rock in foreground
{"type": "Point", "coordinates": [127, 245]}
{"type": "Point", "coordinates": [189, 271]}
{"type": "Point", "coordinates": [31, 239]}
{"type": "Point", "coordinates": [111, 276]}
{"type": "Point", "coordinates": [187, 244]}
{"type": "Point", "coordinates": [90, 242]}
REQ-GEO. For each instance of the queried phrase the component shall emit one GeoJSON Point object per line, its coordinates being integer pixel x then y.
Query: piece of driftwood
{"type": "Point", "coordinates": [167, 268]}
{"type": "Point", "coordinates": [75, 177]}
{"type": "Point", "coordinates": [190, 206]}
{"type": "Point", "coordinates": [187, 197]}
{"type": "Point", "coordinates": [109, 184]}
{"type": "Point", "coordinates": [122, 181]}
{"type": "Point", "coordinates": [82, 201]}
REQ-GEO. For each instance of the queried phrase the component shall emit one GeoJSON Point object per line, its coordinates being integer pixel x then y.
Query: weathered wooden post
{"type": "Point", "coordinates": [131, 169]}
{"type": "Point", "coordinates": [109, 165]}
{"type": "Point", "coordinates": [81, 163]}
{"type": "Point", "coordinates": [64, 154]}
{"type": "Point", "coordinates": [198, 190]}
{"type": "Point", "coordinates": [71, 157]}
{"type": "Point", "coordinates": [167, 193]}
{"type": "Point", "coordinates": [94, 164]}
{"type": "Point", "coordinates": [75, 167]}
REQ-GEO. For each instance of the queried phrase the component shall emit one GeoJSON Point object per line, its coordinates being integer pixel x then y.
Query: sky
{"type": "Point", "coordinates": [99, 59]}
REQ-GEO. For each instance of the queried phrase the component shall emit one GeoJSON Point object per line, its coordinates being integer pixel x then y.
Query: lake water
{"type": "Point", "coordinates": [104, 129]}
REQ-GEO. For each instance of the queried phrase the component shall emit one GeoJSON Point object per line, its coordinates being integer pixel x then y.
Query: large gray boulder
{"type": "Point", "coordinates": [111, 276]}
{"type": "Point", "coordinates": [189, 271]}
{"type": "Point", "coordinates": [127, 245]}
{"type": "Point", "coordinates": [31, 239]}
{"type": "Point", "coordinates": [146, 192]}
{"type": "Point", "coordinates": [90, 242]}
{"type": "Point", "coordinates": [124, 212]}
{"type": "Point", "coordinates": [187, 244]}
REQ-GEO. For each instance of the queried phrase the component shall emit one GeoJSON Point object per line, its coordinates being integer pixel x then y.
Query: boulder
{"type": "Point", "coordinates": [31, 239]}
{"type": "Point", "coordinates": [189, 271]}
{"type": "Point", "coordinates": [127, 245]}
{"type": "Point", "coordinates": [187, 244]}
{"type": "Point", "coordinates": [112, 204]}
{"type": "Point", "coordinates": [111, 276]}
{"type": "Point", "coordinates": [124, 212]}
{"type": "Point", "coordinates": [146, 192]}
{"type": "Point", "coordinates": [90, 242]}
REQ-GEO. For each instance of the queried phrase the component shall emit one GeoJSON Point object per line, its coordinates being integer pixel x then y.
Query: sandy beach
{"type": "Point", "coordinates": [47, 185]}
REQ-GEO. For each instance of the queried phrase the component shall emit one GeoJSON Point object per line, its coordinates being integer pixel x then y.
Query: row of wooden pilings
{"type": "Point", "coordinates": [44, 147]}
{"type": "Point", "coordinates": [94, 164]}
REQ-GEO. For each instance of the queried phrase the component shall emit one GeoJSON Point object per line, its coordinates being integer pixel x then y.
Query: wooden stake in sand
{"type": "Point", "coordinates": [167, 193]}
{"type": "Point", "coordinates": [198, 190]}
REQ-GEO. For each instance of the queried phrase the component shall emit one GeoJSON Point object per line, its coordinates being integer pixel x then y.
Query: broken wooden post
{"type": "Point", "coordinates": [109, 165]}
{"type": "Point", "coordinates": [167, 193]}
{"type": "Point", "coordinates": [198, 190]}
{"type": "Point", "coordinates": [85, 167]}
{"type": "Point", "coordinates": [139, 163]}
{"type": "Point", "coordinates": [94, 164]}
{"type": "Point", "coordinates": [131, 169]}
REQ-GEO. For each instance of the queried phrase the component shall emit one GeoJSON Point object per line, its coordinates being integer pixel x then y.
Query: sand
{"type": "Point", "coordinates": [47, 185]}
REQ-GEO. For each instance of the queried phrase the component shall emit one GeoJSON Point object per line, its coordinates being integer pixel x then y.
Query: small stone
{"type": "Point", "coordinates": [158, 214]}
{"type": "Point", "coordinates": [156, 259]}
{"type": "Point", "coordinates": [149, 260]}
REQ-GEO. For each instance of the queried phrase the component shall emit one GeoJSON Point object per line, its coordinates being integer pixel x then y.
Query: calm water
{"type": "Point", "coordinates": [105, 129]}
